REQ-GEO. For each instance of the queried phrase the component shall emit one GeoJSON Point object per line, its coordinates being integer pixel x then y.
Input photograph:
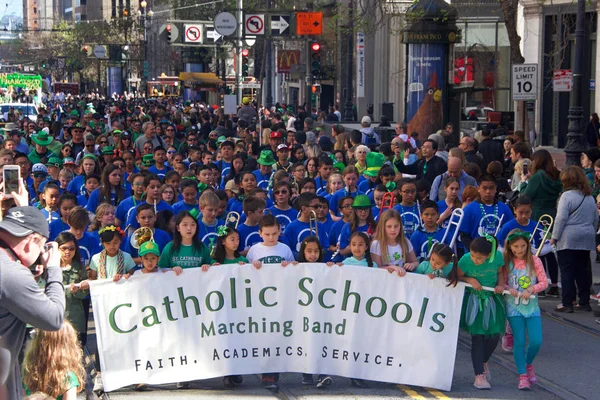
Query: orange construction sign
{"type": "Point", "coordinates": [309, 23]}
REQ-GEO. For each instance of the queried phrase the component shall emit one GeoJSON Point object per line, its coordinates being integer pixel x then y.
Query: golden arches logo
{"type": "Point", "coordinates": [286, 59]}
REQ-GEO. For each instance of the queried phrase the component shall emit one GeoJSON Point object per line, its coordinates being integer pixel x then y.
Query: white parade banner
{"type": "Point", "coordinates": [346, 321]}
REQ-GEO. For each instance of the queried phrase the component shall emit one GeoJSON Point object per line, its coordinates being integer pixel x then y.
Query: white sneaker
{"type": "Point", "coordinates": [98, 386]}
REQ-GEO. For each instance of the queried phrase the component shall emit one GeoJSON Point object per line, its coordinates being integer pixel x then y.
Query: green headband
{"type": "Point", "coordinates": [390, 186]}
{"type": "Point", "coordinates": [223, 230]}
{"type": "Point", "coordinates": [518, 234]}
{"type": "Point", "coordinates": [494, 243]}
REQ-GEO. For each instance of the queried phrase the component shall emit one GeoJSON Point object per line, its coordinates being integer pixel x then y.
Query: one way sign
{"type": "Point", "coordinates": [280, 25]}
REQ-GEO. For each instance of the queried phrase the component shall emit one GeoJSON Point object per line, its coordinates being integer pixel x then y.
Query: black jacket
{"type": "Point", "coordinates": [426, 170]}
{"type": "Point", "coordinates": [472, 156]}
{"type": "Point", "coordinates": [491, 150]}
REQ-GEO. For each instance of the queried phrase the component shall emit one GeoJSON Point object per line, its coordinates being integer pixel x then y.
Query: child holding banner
{"type": "Point", "coordinates": [391, 248]}
{"type": "Point", "coordinates": [112, 262]}
{"type": "Point", "coordinates": [482, 310]}
{"type": "Point", "coordinates": [226, 249]}
{"type": "Point", "coordinates": [440, 263]}
{"type": "Point", "coordinates": [523, 276]}
{"type": "Point", "coordinates": [186, 250]}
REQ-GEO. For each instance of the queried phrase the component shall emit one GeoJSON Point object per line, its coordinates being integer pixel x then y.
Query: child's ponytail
{"type": "Point", "coordinates": [368, 257]}
{"type": "Point", "coordinates": [453, 275]}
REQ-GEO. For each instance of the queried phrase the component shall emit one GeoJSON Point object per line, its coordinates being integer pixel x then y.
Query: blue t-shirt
{"type": "Point", "coordinates": [335, 198]}
{"type": "Point", "coordinates": [248, 236]}
{"type": "Point", "coordinates": [423, 241]}
{"type": "Point", "coordinates": [510, 225]}
{"type": "Point", "coordinates": [224, 166]}
{"type": "Point", "coordinates": [160, 172]}
{"type": "Point", "coordinates": [77, 185]}
{"type": "Point", "coordinates": [285, 217]}
{"type": "Point", "coordinates": [208, 233]}
{"type": "Point", "coordinates": [235, 205]}
{"type": "Point", "coordinates": [347, 232]}
{"type": "Point", "coordinates": [411, 218]}
{"type": "Point", "coordinates": [334, 237]}
{"type": "Point", "coordinates": [132, 221]}
{"type": "Point", "coordinates": [126, 208]}
{"type": "Point", "coordinates": [94, 200]}
{"type": "Point", "coordinates": [160, 237]}
{"type": "Point", "coordinates": [367, 186]}
{"type": "Point", "coordinates": [56, 227]}
{"type": "Point", "coordinates": [82, 200]}
{"type": "Point", "coordinates": [321, 185]}
{"type": "Point", "coordinates": [88, 247]}
{"type": "Point", "coordinates": [183, 206]}
{"type": "Point", "coordinates": [50, 216]}
{"type": "Point", "coordinates": [262, 181]}
{"type": "Point", "coordinates": [480, 219]}
{"type": "Point", "coordinates": [442, 206]}
{"type": "Point", "coordinates": [297, 231]}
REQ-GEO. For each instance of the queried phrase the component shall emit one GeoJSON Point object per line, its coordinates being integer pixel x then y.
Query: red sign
{"type": "Point", "coordinates": [562, 80]}
{"type": "Point", "coordinates": [309, 23]}
{"type": "Point", "coordinates": [286, 59]}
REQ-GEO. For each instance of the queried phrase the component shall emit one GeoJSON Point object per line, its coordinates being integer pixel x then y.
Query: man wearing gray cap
{"type": "Point", "coordinates": [25, 255]}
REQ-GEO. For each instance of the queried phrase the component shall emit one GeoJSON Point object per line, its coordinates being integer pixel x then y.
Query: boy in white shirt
{"type": "Point", "coordinates": [270, 251]}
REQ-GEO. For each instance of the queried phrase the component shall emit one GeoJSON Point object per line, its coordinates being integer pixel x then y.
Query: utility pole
{"type": "Point", "coordinates": [238, 69]}
{"type": "Point", "coordinates": [309, 77]}
{"type": "Point", "coordinates": [348, 111]}
{"type": "Point", "coordinates": [269, 69]}
{"type": "Point", "coordinates": [574, 145]}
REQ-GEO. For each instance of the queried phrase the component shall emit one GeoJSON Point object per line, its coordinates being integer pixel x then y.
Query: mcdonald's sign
{"type": "Point", "coordinates": [286, 59]}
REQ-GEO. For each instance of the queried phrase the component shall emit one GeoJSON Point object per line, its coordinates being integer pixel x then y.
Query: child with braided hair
{"type": "Point", "coordinates": [111, 263]}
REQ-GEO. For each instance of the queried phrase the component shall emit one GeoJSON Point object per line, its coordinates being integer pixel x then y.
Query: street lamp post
{"type": "Point", "coordinates": [348, 110]}
{"type": "Point", "coordinates": [574, 145]}
{"type": "Point", "coordinates": [145, 20]}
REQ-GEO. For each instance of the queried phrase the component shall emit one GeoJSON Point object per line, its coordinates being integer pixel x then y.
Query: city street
{"type": "Point", "coordinates": [565, 368]}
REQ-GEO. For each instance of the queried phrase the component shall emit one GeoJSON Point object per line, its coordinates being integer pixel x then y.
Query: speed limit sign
{"type": "Point", "coordinates": [524, 81]}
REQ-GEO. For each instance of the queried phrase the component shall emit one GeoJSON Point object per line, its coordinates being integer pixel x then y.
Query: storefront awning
{"type": "Point", "coordinates": [199, 77]}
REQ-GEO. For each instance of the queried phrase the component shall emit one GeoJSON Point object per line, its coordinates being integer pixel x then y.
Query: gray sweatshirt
{"type": "Point", "coordinates": [22, 303]}
{"type": "Point", "coordinates": [575, 228]}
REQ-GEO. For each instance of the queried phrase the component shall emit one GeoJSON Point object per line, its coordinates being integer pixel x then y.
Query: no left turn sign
{"type": "Point", "coordinates": [254, 24]}
{"type": "Point", "coordinates": [192, 33]}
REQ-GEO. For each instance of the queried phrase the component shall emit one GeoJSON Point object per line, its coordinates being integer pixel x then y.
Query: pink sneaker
{"type": "Point", "coordinates": [524, 382]}
{"type": "Point", "coordinates": [487, 373]}
{"type": "Point", "coordinates": [481, 382]}
{"type": "Point", "coordinates": [531, 374]}
{"type": "Point", "coordinates": [508, 343]}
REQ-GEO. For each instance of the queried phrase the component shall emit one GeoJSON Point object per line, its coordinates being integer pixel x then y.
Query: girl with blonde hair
{"type": "Point", "coordinates": [390, 248]}
{"type": "Point", "coordinates": [105, 215]}
{"type": "Point", "coordinates": [53, 364]}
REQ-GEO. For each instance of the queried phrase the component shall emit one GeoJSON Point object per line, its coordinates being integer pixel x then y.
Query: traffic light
{"type": "Point", "coordinates": [85, 50]}
{"type": "Point", "coordinates": [245, 63]}
{"type": "Point", "coordinates": [169, 36]}
{"type": "Point", "coordinates": [316, 60]}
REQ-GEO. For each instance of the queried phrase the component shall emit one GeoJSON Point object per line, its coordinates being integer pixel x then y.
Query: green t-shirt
{"type": "Point", "coordinates": [486, 273]}
{"type": "Point", "coordinates": [72, 382]}
{"type": "Point", "coordinates": [185, 257]}
{"type": "Point", "coordinates": [235, 260]}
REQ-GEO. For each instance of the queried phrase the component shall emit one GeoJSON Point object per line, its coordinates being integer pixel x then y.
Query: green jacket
{"type": "Point", "coordinates": [544, 193]}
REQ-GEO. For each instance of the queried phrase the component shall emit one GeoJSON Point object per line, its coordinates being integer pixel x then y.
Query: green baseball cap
{"type": "Point", "coordinates": [149, 247]}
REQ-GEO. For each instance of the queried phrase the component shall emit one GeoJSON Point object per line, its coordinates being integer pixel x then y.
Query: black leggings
{"type": "Point", "coordinates": [551, 266]}
{"type": "Point", "coordinates": [482, 348]}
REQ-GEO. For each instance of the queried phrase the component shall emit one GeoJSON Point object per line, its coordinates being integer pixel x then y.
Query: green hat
{"type": "Point", "coordinates": [42, 138]}
{"type": "Point", "coordinates": [90, 155]}
{"type": "Point", "coordinates": [116, 132]}
{"type": "Point", "coordinates": [266, 158]}
{"type": "Point", "coordinates": [148, 160]}
{"type": "Point", "coordinates": [149, 247]}
{"type": "Point", "coordinates": [108, 150]}
{"type": "Point", "coordinates": [54, 162]}
{"type": "Point", "coordinates": [221, 139]}
{"type": "Point", "coordinates": [74, 113]}
{"type": "Point", "coordinates": [362, 201]}
{"type": "Point", "coordinates": [374, 163]}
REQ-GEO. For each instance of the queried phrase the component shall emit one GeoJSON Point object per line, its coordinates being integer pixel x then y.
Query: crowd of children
{"type": "Point", "coordinates": [266, 217]}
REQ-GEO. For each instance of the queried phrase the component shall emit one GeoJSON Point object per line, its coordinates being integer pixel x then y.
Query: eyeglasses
{"type": "Point", "coordinates": [138, 184]}
{"type": "Point", "coordinates": [191, 139]}
{"type": "Point", "coordinates": [362, 208]}
{"type": "Point", "coordinates": [119, 165]}
{"type": "Point", "coordinates": [281, 192]}
{"type": "Point", "coordinates": [170, 129]}
{"type": "Point", "coordinates": [314, 206]}
{"type": "Point", "coordinates": [171, 151]}
{"type": "Point", "coordinates": [126, 138]}
{"type": "Point", "coordinates": [347, 206]}
{"type": "Point", "coordinates": [409, 191]}
{"type": "Point", "coordinates": [104, 142]}
{"type": "Point", "coordinates": [39, 175]}
{"type": "Point", "coordinates": [71, 248]}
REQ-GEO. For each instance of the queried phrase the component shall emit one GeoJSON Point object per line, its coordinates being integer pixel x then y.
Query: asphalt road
{"type": "Point", "coordinates": [567, 368]}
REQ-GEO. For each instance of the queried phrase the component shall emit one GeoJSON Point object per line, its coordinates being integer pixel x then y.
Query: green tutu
{"type": "Point", "coordinates": [482, 313]}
